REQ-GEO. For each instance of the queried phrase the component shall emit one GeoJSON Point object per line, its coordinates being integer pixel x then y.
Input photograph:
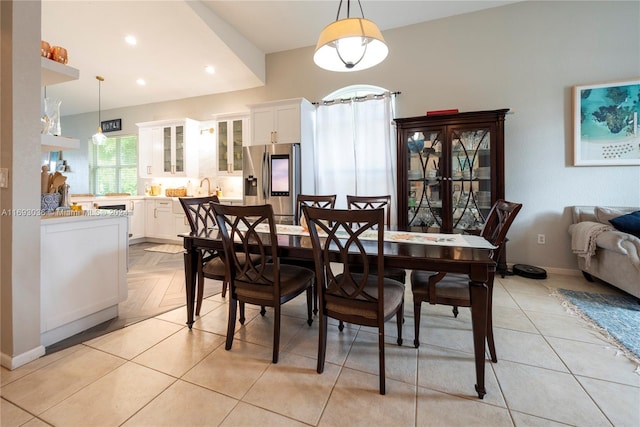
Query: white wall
{"type": "Point", "coordinates": [524, 56]}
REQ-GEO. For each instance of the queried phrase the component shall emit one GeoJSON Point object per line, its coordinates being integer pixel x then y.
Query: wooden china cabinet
{"type": "Point", "coordinates": [450, 170]}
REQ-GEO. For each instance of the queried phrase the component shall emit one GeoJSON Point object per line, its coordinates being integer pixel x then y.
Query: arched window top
{"type": "Point", "coordinates": [354, 91]}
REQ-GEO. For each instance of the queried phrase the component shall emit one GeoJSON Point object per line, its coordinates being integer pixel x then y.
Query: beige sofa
{"type": "Point", "coordinates": [617, 254]}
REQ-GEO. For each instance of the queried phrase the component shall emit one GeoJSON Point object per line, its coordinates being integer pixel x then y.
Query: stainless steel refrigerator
{"type": "Point", "coordinates": [271, 175]}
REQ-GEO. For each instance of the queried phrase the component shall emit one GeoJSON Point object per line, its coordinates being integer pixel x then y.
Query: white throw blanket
{"type": "Point", "coordinates": [583, 239]}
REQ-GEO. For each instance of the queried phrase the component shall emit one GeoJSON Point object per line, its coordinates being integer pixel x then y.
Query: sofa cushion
{"type": "Point", "coordinates": [629, 223]}
{"type": "Point", "coordinates": [604, 215]}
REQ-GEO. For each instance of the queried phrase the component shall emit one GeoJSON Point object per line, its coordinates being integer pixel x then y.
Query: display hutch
{"type": "Point", "coordinates": [450, 170]}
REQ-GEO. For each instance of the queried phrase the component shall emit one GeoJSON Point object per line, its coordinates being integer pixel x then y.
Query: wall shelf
{"type": "Point", "coordinates": [54, 72]}
{"type": "Point", "coordinates": [58, 143]}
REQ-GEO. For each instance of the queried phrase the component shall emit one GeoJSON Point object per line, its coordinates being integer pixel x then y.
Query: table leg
{"type": "Point", "coordinates": [479, 301]}
{"type": "Point", "coordinates": [190, 271]}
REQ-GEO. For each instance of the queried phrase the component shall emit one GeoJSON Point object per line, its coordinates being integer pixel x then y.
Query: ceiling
{"type": "Point", "coordinates": [177, 39]}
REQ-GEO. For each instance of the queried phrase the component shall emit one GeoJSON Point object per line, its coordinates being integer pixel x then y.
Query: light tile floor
{"type": "Point", "coordinates": [553, 370]}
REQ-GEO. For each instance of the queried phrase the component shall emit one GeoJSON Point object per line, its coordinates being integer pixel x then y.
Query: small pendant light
{"type": "Point", "coordinates": [99, 138]}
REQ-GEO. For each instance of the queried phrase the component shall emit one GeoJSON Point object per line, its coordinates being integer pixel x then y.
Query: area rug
{"type": "Point", "coordinates": [618, 316]}
{"type": "Point", "coordinates": [167, 249]}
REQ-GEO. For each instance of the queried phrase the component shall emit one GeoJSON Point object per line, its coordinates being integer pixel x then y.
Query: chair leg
{"type": "Point", "coordinates": [381, 359]}
{"type": "Point", "coordinates": [224, 288]}
{"type": "Point", "coordinates": [200, 286]}
{"type": "Point", "coordinates": [416, 318]}
{"type": "Point", "coordinates": [242, 318]}
{"type": "Point", "coordinates": [315, 298]}
{"type": "Point", "coordinates": [231, 326]}
{"type": "Point", "coordinates": [276, 333]}
{"type": "Point", "coordinates": [322, 343]}
{"type": "Point", "coordinates": [455, 311]}
{"type": "Point", "coordinates": [341, 326]}
{"type": "Point", "coordinates": [400, 322]}
{"type": "Point", "coordinates": [309, 303]}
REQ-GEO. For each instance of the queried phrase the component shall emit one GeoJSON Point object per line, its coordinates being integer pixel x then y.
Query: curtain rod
{"type": "Point", "coordinates": [356, 98]}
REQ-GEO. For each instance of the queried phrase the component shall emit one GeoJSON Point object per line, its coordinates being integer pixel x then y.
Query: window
{"type": "Point", "coordinates": [113, 167]}
{"type": "Point", "coordinates": [358, 125]}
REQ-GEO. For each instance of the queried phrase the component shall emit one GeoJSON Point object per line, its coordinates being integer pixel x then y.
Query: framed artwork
{"type": "Point", "coordinates": [606, 131]}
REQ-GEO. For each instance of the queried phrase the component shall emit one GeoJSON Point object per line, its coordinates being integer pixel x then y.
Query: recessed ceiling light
{"type": "Point", "coordinates": [141, 82]}
{"type": "Point", "coordinates": [209, 69]}
{"type": "Point", "coordinates": [131, 40]}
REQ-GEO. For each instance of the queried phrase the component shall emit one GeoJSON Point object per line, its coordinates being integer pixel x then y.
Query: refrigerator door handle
{"type": "Point", "coordinates": [265, 176]}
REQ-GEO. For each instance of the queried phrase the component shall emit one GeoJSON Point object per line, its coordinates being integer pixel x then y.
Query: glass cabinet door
{"type": "Point", "coordinates": [230, 139]}
{"type": "Point", "coordinates": [166, 150]}
{"type": "Point", "coordinates": [179, 144]}
{"type": "Point", "coordinates": [470, 177]}
{"type": "Point", "coordinates": [425, 180]}
{"type": "Point", "coordinates": [223, 151]}
{"type": "Point", "coordinates": [237, 144]}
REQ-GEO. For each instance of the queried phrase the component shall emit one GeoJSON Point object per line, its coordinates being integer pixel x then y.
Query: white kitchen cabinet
{"type": "Point", "coordinates": [159, 219]}
{"type": "Point", "coordinates": [180, 225]}
{"type": "Point", "coordinates": [82, 284]}
{"type": "Point", "coordinates": [168, 148]}
{"type": "Point", "coordinates": [232, 134]}
{"type": "Point", "coordinates": [281, 121]}
{"type": "Point", "coordinates": [137, 218]}
{"type": "Point", "coordinates": [52, 72]}
{"type": "Point", "coordinates": [145, 152]}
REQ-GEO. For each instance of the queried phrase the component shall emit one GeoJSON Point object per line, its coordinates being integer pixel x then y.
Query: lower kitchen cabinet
{"type": "Point", "coordinates": [82, 284]}
{"type": "Point", "coordinates": [136, 219]}
{"type": "Point", "coordinates": [159, 219]}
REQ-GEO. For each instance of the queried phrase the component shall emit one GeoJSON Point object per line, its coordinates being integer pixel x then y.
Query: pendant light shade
{"type": "Point", "coordinates": [350, 44]}
{"type": "Point", "coordinates": [99, 138]}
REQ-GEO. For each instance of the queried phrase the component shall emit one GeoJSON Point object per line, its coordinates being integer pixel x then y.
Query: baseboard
{"type": "Point", "coordinates": [13, 362]}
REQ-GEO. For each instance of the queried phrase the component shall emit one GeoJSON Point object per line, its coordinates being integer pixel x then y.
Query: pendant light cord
{"type": "Point", "coordinates": [348, 9]}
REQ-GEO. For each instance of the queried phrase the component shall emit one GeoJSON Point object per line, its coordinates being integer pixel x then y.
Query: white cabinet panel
{"type": "Point", "coordinates": [280, 121]}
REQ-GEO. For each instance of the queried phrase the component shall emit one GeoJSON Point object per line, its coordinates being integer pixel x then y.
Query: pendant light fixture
{"type": "Point", "coordinates": [350, 44]}
{"type": "Point", "coordinates": [99, 138]}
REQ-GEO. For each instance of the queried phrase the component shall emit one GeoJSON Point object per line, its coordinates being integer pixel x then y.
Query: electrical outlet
{"type": "Point", "coordinates": [541, 239]}
{"type": "Point", "coordinates": [4, 177]}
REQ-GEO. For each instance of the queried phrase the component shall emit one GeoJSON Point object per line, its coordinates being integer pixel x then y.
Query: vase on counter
{"type": "Point", "coordinates": [51, 118]}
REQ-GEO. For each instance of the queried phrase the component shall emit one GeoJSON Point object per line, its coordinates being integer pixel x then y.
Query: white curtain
{"type": "Point", "coordinates": [355, 149]}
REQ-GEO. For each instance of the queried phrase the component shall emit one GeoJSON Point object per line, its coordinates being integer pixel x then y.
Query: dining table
{"type": "Point", "coordinates": [451, 253]}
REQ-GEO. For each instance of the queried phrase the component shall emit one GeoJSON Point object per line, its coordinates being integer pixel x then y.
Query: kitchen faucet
{"type": "Point", "coordinates": [208, 185]}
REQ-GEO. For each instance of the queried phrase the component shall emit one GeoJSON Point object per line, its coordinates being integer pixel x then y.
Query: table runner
{"type": "Point", "coordinates": [439, 239]}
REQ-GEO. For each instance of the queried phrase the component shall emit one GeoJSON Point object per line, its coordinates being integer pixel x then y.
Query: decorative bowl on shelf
{"type": "Point", "coordinates": [414, 174]}
{"type": "Point", "coordinates": [415, 146]}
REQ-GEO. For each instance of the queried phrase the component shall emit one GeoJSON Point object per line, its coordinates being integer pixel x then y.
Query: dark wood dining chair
{"type": "Point", "coordinates": [367, 298]}
{"type": "Point", "coordinates": [453, 289]}
{"type": "Point", "coordinates": [318, 201]}
{"type": "Point", "coordinates": [210, 264]}
{"type": "Point", "coordinates": [374, 202]}
{"type": "Point", "coordinates": [251, 280]}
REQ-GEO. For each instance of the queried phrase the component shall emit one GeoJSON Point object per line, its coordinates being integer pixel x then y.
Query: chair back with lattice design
{"type": "Point", "coordinates": [249, 237]}
{"type": "Point", "coordinates": [372, 202]}
{"type": "Point", "coordinates": [341, 231]}
{"type": "Point", "coordinates": [199, 212]}
{"type": "Point", "coordinates": [498, 222]}
{"type": "Point", "coordinates": [322, 201]}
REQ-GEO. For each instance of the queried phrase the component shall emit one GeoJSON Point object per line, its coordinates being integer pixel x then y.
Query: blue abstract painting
{"type": "Point", "coordinates": [606, 128]}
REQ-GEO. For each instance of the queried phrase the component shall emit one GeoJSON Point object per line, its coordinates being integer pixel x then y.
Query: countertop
{"type": "Point", "coordinates": [91, 198]}
{"type": "Point", "coordinates": [61, 216]}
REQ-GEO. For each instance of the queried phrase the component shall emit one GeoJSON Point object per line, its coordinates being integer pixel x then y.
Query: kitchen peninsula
{"type": "Point", "coordinates": [83, 264]}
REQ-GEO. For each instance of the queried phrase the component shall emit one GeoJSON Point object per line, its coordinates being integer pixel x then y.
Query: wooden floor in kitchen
{"type": "Point", "coordinates": [156, 285]}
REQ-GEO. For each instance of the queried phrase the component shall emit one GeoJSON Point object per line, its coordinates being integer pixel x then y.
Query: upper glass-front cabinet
{"type": "Point", "coordinates": [173, 149]}
{"type": "Point", "coordinates": [231, 137]}
{"type": "Point", "coordinates": [450, 170]}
